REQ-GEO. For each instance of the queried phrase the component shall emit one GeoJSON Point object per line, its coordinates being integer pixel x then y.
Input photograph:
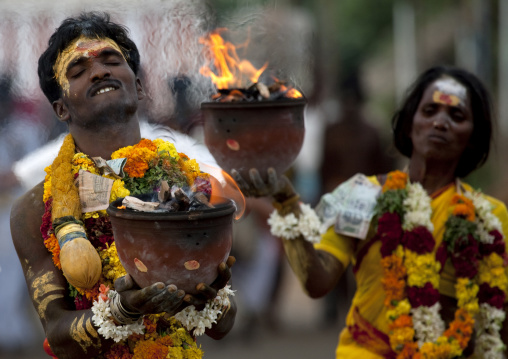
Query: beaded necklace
{"type": "Point", "coordinates": [474, 243]}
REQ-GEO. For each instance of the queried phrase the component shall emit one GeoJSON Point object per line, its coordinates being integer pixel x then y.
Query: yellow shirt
{"type": "Point", "coordinates": [369, 296]}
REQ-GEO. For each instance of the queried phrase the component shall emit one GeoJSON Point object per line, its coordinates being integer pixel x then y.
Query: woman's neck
{"type": "Point", "coordinates": [432, 176]}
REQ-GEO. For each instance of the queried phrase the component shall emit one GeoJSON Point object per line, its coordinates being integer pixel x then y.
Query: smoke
{"type": "Point", "coordinates": [167, 34]}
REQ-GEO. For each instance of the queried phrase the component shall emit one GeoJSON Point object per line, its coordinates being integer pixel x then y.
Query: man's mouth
{"type": "Point", "coordinates": [104, 90]}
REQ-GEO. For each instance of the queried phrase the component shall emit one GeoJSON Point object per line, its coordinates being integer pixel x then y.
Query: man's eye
{"type": "Point", "coordinates": [76, 73]}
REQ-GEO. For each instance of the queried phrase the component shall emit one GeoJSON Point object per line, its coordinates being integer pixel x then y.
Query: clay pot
{"type": "Point", "coordinates": [262, 134]}
{"type": "Point", "coordinates": [181, 248]}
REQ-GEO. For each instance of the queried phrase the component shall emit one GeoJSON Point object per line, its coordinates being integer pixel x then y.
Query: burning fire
{"type": "Point", "coordinates": [232, 74]}
{"type": "Point", "coordinates": [224, 186]}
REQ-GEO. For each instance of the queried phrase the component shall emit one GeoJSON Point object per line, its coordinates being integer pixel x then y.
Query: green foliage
{"type": "Point", "coordinates": [457, 229]}
{"type": "Point", "coordinates": [391, 201]}
{"type": "Point", "coordinates": [164, 170]}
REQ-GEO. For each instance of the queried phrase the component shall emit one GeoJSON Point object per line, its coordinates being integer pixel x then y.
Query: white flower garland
{"type": "Point", "coordinates": [200, 320]}
{"type": "Point", "coordinates": [488, 343]}
{"type": "Point", "coordinates": [103, 319]}
{"type": "Point", "coordinates": [417, 207]}
{"type": "Point", "coordinates": [486, 221]}
{"type": "Point", "coordinates": [307, 224]}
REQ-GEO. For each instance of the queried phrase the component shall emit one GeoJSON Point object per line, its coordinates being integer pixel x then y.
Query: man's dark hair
{"type": "Point", "coordinates": [478, 149]}
{"type": "Point", "coordinates": [90, 24]}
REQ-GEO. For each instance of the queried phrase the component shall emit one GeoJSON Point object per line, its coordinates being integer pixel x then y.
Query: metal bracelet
{"type": "Point", "coordinates": [120, 314]}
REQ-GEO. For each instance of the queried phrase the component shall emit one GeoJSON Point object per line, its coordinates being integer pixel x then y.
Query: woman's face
{"type": "Point", "coordinates": [443, 122]}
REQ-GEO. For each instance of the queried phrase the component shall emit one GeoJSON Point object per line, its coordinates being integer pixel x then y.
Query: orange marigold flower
{"type": "Point", "coordinates": [409, 351]}
{"type": "Point", "coordinates": [149, 325]}
{"type": "Point", "coordinates": [395, 180]}
{"type": "Point", "coordinates": [93, 293]}
{"type": "Point", "coordinates": [147, 143]}
{"type": "Point", "coordinates": [52, 245]}
{"type": "Point", "coordinates": [464, 207]}
{"type": "Point", "coordinates": [165, 340]}
{"type": "Point", "coordinates": [402, 321]}
{"type": "Point", "coordinates": [150, 349]}
{"type": "Point", "coordinates": [461, 328]}
{"type": "Point", "coordinates": [393, 265]}
{"type": "Point", "coordinates": [465, 211]}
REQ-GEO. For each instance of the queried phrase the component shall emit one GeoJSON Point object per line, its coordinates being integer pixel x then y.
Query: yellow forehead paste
{"type": "Point", "coordinates": [445, 99]}
{"type": "Point", "coordinates": [81, 47]}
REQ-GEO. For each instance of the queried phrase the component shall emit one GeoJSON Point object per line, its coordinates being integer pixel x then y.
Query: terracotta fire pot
{"type": "Point", "coordinates": [181, 248]}
{"type": "Point", "coordinates": [261, 134]}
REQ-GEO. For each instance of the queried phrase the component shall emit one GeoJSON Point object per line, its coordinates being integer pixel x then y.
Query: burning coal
{"type": "Point", "coordinates": [237, 79]}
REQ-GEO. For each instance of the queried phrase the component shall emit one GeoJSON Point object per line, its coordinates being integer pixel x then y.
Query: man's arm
{"type": "Point", "coordinates": [70, 333]}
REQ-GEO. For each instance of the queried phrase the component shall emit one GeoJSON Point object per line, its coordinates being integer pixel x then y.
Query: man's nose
{"type": "Point", "coordinates": [98, 71]}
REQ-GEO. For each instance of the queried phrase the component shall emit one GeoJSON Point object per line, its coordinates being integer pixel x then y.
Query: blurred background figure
{"type": "Point", "coordinates": [351, 144]}
{"type": "Point", "coordinates": [21, 131]}
{"type": "Point", "coordinates": [258, 270]}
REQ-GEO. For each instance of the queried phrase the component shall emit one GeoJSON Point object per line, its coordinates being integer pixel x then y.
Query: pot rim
{"type": "Point", "coordinates": [224, 208]}
{"type": "Point", "coordinates": [255, 104]}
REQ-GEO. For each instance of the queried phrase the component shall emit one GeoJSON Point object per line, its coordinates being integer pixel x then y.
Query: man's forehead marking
{"type": "Point", "coordinates": [81, 47]}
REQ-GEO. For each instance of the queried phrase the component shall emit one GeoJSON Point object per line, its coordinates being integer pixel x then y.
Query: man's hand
{"type": "Point", "coordinates": [280, 188]}
{"type": "Point", "coordinates": [154, 299]}
{"type": "Point", "coordinates": [207, 292]}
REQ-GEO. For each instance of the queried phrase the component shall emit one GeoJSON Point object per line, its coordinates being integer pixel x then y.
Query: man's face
{"type": "Point", "coordinates": [97, 83]}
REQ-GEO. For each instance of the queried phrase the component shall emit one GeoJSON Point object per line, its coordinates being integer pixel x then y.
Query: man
{"type": "Point", "coordinates": [89, 75]}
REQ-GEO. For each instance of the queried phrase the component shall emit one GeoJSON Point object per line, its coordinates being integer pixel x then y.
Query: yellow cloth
{"type": "Point", "coordinates": [370, 295]}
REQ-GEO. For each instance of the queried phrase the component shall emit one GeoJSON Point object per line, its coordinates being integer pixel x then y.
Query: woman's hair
{"type": "Point", "coordinates": [90, 24]}
{"type": "Point", "coordinates": [477, 151]}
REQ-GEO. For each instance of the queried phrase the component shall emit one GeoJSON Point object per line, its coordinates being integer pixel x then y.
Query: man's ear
{"type": "Point", "coordinates": [61, 110]}
{"type": "Point", "coordinates": [139, 88]}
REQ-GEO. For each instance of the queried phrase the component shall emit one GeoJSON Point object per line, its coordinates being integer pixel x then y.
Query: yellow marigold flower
{"type": "Point", "coordinates": [83, 162]}
{"type": "Point", "coordinates": [433, 351]}
{"type": "Point", "coordinates": [118, 190]}
{"type": "Point", "coordinates": [399, 336]}
{"type": "Point", "coordinates": [166, 147]}
{"type": "Point", "coordinates": [113, 268]}
{"type": "Point", "coordinates": [399, 251]}
{"type": "Point", "coordinates": [466, 294]}
{"type": "Point", "coordinates": [422, 268]}
{"type": "Point", "coordinates": [395, 180]}
{"type": "Point", "coordinates": [190, 168]}
{"type": "Point", "coordinates": [121, 153]}
{"type": "Point", "coordinates": [87, 215]}
{"type": "Point", "coordinates": [47, 184]}
{"type": "Point", "coordinates": [403, 307]}
{"type": "Point", "coordinates": [491, 271]}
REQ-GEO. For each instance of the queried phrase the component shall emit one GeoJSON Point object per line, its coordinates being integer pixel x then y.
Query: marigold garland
{"type": "Point", "coordinates": [411, 272]}
{"type": "Point", "coordinates": [174, 341]}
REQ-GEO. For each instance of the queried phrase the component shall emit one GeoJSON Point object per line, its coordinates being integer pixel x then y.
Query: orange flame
{"type": "Point", "coordinates": [231, 70]}
{"type": "Point", "coordinates": [224, 186]}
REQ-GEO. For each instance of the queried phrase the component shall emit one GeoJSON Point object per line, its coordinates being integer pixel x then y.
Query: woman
{"type": "Point", "coordinates": [427, 250]}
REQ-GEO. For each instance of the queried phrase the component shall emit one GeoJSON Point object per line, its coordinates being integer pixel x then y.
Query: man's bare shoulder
{"type": "Point", "coordinates": [26, 215]}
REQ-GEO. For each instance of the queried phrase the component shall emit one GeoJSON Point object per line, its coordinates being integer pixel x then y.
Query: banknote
{"type": "Point", "coordinates": [350, 206]}
{"type": "Point", "coordinates": [94, 191]}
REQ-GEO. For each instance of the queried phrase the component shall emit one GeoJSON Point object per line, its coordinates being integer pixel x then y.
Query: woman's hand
{"type": "Point", "coordinates": [154, 299]}
{"type": "Point", "coordinates": [280, 188]}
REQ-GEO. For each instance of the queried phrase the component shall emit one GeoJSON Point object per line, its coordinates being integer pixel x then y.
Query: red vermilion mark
{"type": "Point", "coordinates": [233, 145]}
{"type": "Point", "coordinates": [446, 98]}
{"type": "Point", "coordinates": [140, 265]}
{"type": "Point", "coordinates": [191, 265]}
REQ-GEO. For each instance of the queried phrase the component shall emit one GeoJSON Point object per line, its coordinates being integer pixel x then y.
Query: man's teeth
{"type": "Point", "coordinates": [104, 90]}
